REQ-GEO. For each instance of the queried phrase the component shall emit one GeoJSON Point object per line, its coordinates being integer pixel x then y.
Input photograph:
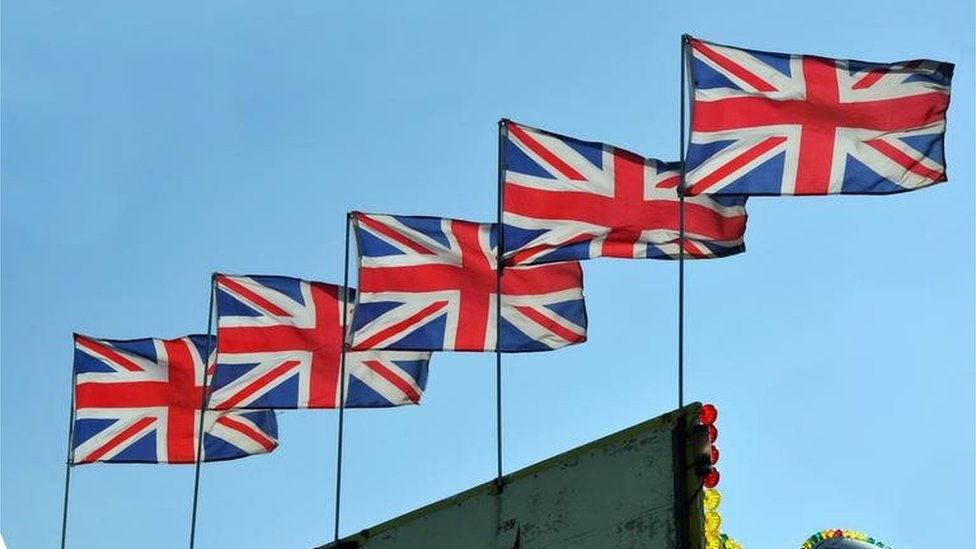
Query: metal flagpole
{"type": "Point", "coordinates": [681, 232]}
{"type": "Point", "coordinates": [678, 435]}
{"type": "Point", "coordinates": [342, 379]}
{"type": "Point", "coordinates": [203, 413]}
{"type": "Point", "coordinates": [70, 459]}
{"type": "Point", "coordinates": [499, 268]}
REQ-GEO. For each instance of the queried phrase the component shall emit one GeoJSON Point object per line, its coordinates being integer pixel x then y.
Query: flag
{"type": "Point", "coordinates": [570, 199]}
{"type": "Point", "coordinates": [429, 283]}
{"type": "Point", "coordinates": [138, 401]}
{"type": "Point", "coordinates": [778, 124]}
{"type": "Point", "coordinates": [279, 345]}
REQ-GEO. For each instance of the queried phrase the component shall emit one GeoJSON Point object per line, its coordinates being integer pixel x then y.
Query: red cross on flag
{"type": "Point", "coordinates": [428, 283]}
{"type": "Point", "coordinates": [569, 199]}
{"type": "Point", "coordinates": [139, 401]}
{"type": "Point", "coordinates": [279, 345]}
{"type": "Point", "coordinates": [767, 123]}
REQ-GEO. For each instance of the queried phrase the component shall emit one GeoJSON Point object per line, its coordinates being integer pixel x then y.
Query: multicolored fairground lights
{"type": "Point", "coordinates": [714, 538]}
{"type": "Point", "coordinates": [815, 540]}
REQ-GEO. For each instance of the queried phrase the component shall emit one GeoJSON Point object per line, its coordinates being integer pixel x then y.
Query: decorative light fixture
{"type": "Point", "coordinates": [708, 415]}
{"type": "Point", "coordinates": [712, 499]}
{"type": "Point", "coordinates": [835, 538]}
{"type": "Point", "coordinates": [711, 479]}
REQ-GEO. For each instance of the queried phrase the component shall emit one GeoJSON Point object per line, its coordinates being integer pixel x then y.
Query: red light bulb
{"type": "Point", "coordinates": [712, 433]}
{"type": "Point", "coordinates": [708, 414]}
{"type": "Point", "coordinates": [711, 479]}
{"type": "Point", "coordinates": [714, 455]}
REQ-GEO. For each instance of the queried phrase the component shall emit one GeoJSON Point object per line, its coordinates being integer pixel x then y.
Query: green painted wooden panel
{"type": "Point", "coordinates": [617, 491]}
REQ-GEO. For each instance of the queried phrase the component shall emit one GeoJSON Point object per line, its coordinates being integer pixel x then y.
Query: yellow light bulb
{"type": "Point", "coordinates": [713, 522]}
{"type": "Point", "coordinates": [712, 499]}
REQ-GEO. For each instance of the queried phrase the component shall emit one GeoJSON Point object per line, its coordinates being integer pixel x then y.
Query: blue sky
{"type": "Point", "coordinates": [148, 145]}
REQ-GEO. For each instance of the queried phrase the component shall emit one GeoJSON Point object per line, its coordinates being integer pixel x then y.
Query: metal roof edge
{"type": "Point", "coordinates": [689, 410]}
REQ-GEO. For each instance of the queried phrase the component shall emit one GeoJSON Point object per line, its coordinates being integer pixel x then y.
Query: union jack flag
{"type": "Point", "coordinates": [777, 124]}
{"type": "Point", "coordinates": [279, 345]}
{"type": "Point", "coordinates": [429, 283]}
{"type": "Point", "coordinates": [568, 199]}
{"type": "Point", "coordinates": [138, 401]}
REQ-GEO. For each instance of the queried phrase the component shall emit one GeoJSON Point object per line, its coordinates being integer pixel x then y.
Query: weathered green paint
{"type": "Point", "coordinates": [617, 491]}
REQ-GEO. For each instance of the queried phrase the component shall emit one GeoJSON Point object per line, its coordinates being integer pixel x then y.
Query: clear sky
{"type": "Point", "coordinates": [146, 145]}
